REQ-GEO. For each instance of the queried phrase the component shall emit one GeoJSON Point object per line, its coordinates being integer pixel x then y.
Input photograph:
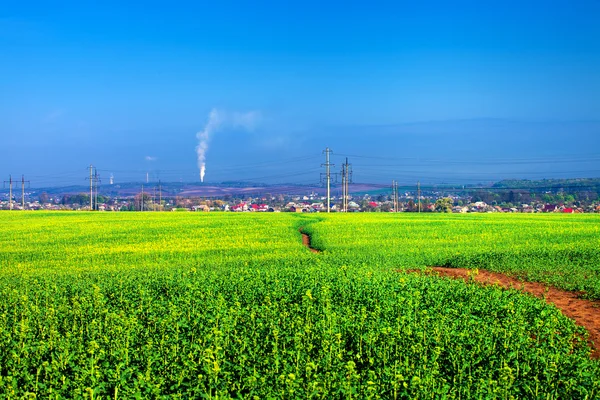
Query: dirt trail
{"type": "Point", "coordinates": [306, 241]}
{"type": "Point", "coordinates": [586, 313]}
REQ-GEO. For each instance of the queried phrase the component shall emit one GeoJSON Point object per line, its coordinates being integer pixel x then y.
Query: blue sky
{"type": "Point", "coordinates": [466, 81]}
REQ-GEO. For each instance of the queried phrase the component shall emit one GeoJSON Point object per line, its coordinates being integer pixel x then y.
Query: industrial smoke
{"type": "Point", "coordinates": [203, 137]}
{"type": "Point", "coordinates": [218, 120]}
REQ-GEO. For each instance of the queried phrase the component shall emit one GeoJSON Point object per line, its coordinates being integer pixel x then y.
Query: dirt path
{"type": "Point", "coordinates": [586, 313]}
{"type": "Point", "coordinates": [306, 241]}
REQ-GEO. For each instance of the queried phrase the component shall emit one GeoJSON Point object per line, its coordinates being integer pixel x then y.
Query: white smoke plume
{"type": "Point", "coordinates": [217, 120]}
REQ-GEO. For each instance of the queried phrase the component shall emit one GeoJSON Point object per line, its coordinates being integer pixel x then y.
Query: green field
{"type": "Point", "coordinates": [184, 305]}
{"type": "Point", "coordinates": [562, 250]}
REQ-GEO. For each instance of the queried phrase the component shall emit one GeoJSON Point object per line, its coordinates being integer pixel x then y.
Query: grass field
{"type": "Point", "coordinates": [183, 305]}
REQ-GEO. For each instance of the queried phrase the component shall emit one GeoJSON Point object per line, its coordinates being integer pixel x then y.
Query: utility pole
{"type": "Point", "coordinates": [327, 166]}
{"type": "Point", "coordinates": [142, 199]}
{"type": "Point", "coordinates": [346, 180]}
{"type": "Point", "coordinates": [344, 188]}
{"type": "Point", "coordinates": [419, 194]}
{"type": "Point", "coordinates": [91, 188]}
{"type": "Point", "coordinates": [96, 180]}
{"type": "Point", "coordinates": [23, 181]}
{"type": "Point", "coordinates": [9, 181]}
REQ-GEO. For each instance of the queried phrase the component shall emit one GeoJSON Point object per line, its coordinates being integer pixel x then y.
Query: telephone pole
{"type": "Point", "coordinates": [419, 194]}
{"type": "Point", "coordinates": [23, 181]}
{"type": "Point", "coordinates": [327, 166]}
{"type": "Point", "coordinates": [10, 182]}
{"type": "Point", "coordinates": [142, 199]}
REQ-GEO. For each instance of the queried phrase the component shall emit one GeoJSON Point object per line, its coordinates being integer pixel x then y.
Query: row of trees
{"type": "Point", "coordinates": [518, 197]}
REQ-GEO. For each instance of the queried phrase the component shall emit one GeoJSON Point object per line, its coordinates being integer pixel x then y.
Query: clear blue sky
{"type": "Point", "coordinates": [113, 83]}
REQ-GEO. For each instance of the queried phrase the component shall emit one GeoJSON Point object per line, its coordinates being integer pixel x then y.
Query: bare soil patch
{"type": "Point", "coordinates": [586, 313]}
{"type": "Point", "coordinates": [306, 241]}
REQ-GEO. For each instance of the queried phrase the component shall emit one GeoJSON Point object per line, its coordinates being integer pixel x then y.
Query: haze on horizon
{"type": "Point", "coordinates": [438, 92]}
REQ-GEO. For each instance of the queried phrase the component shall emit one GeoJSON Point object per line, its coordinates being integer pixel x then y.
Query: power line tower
{"type": "Point", "coordinates": [10, 182]}
{"type": "Point", "coordinates": [395, 196]}
{"type": "Point", "coordinates": [23, 182]}
{"type": "Point", "coordinates": [91, 187]}
{"type": "Point", "coordinates": [96, 181]}
{"type": "Point", "coordinates": [344, 209]}
{"type": "Point", "coordinates": [328, 166]}
{"type": "Point", "coordinates": [346, 180]}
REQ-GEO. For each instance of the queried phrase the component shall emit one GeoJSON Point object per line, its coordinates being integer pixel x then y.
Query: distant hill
{"type": "Point", "coordinates": [170, 189]}
{"type": "Point", "coordinates": [550, 184]}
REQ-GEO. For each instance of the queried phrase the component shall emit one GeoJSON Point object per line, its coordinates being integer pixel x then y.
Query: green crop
{"type": "Point", "coordinates": [183, 305]}
{"type": "Point", "coordinates": [561, 250]}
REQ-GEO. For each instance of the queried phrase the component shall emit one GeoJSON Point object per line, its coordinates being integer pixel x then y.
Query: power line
{"type": "Point", "coordinates": [545, 159]}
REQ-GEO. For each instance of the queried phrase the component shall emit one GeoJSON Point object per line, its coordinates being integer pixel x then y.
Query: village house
{"type": "Point", "coordinates": [240, 207]}
{"type": "Point", "coordinates": [549, 208]}
{"type": "Point", "coordinates": [317, 206]}
{"type": "Point", "coordinates": [353, 205]}
{"type": "Point", "coordinates": [526, 208]}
